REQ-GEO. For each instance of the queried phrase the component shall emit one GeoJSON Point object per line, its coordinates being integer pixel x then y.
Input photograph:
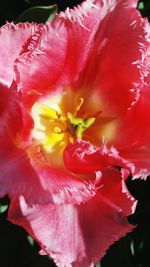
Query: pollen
{"type": "Point", "coordinates": [57, 130]}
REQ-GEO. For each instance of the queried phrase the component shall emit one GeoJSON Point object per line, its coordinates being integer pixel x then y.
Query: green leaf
{"type": "Point", "coordinates": [141, 6]}
{"type": "Point", "coordinates": [30, 240]}
{"type": "Point", "coordinates": [132, 248]}
{"type": "Point", "coordinates": [3, 208]}
{"type": "Point", "coordinates": [38, 14]}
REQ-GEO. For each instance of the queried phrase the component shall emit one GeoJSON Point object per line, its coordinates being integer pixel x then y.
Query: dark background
{"type": "Point", "coordinates": [131, 251]}
{"type": "Point", "coordinates": [10, 9]}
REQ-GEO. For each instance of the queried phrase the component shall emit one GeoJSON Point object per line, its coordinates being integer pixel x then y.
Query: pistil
{"type": "Point", "coordinates": [79, 124]}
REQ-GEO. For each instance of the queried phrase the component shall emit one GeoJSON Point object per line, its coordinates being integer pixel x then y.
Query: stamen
{"type": "Point", "coordinates": [58, 114]}
{"type": "Point", "coordinates": [81, 100]}
{"type": "Point", "coordinates": [45, 111]}
{"type": "Point", "coordinates": [57, 130]}
{"type": "Point", "coordinates": [45, 116]}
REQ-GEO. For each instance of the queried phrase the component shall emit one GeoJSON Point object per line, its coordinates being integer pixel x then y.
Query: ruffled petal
{"type": "Point", "coordinates": [82, 157]}
{"type": "Point", "coordinates": [46, 68]}
{"type": "Point", "coordinates": [115, 64]}
{"type": "Point", "coordinates": [13, 42]}
{"type": "Point", "coordinates": [140, 157]}
{"type": "Point", "coordinates": [78, 235]}
{"type": "Point", "coordinates": [17, 176]}
{"type": "Point", "coordinates": [40, 183]}
{"type": "Point", "coordinates": [134, 143]}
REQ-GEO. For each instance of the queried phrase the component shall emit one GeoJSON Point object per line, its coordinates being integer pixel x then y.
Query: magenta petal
{"type": "Point", "coordinates": [13, 41]}
{"type": "Point", "coordinates": [78, 234]}
{"type": "Point", "coordinates": [114, 189]}
{"type": "Point", "coordinates": [17, 176]}
{"type": "Point", "coordinates": [82, 157]}
{"type": "Point", "coordinates": [46, 68]}
{"type": "Point", "coordinates": [40, 184]}
{"type": "Point", "coordinates": [119, 66]}
{"type": "Point", "coordinates": [134, 142]}
{"type": "Point", "coordinates": [140, 157]}
{"type": "Point", "coordinates": [10, 117]}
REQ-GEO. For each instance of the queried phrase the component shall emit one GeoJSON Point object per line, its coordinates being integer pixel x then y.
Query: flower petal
{"type": "Point", "coordinates": [140, 157]}
{"type": "Point", "coordinates": [40, 183]}
{"type": "Point", "coordinates": [13, 41]}
{"type": "Point", "coordinates": [134, 143]}
{"type": "Point", "coordinates": [82, 157]}
{"type": "Point", "coordinates": [115, 65]}
{"type": "Point", "coordinates": [65, 232]}
{"type": "Point", "coordinates": [10, 116]}
{"type": "Point", "coordinates": [46, 68]}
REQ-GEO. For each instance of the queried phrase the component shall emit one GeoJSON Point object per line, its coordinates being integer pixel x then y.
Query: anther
{"type": "Point", "coordinates": [81, 100]}
{"type": "Point", "coordinates": [57, 130]}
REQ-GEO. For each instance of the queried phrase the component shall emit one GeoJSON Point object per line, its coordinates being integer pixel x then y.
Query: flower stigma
{"type": "Point", "coordinates": [79, 124]}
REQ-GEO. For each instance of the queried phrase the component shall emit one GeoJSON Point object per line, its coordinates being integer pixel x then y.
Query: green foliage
{"type": "Point", "coordinates": [141, 6]}
{"type": "Point", "coordinates": [144, 8]}
{"type": "Point", "coordinates": [3, 208]}
{"type": "Point", "coordinates": [38, 14]}
{"type": "Point", "coordinates": [30, 240]}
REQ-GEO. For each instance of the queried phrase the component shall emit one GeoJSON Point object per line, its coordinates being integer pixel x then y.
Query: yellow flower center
{"type": "Point", "coordinates": [62, 119]}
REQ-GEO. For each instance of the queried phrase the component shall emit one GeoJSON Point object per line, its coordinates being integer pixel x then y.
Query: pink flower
{"type": "Point", "coordinates": [74, 97]}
